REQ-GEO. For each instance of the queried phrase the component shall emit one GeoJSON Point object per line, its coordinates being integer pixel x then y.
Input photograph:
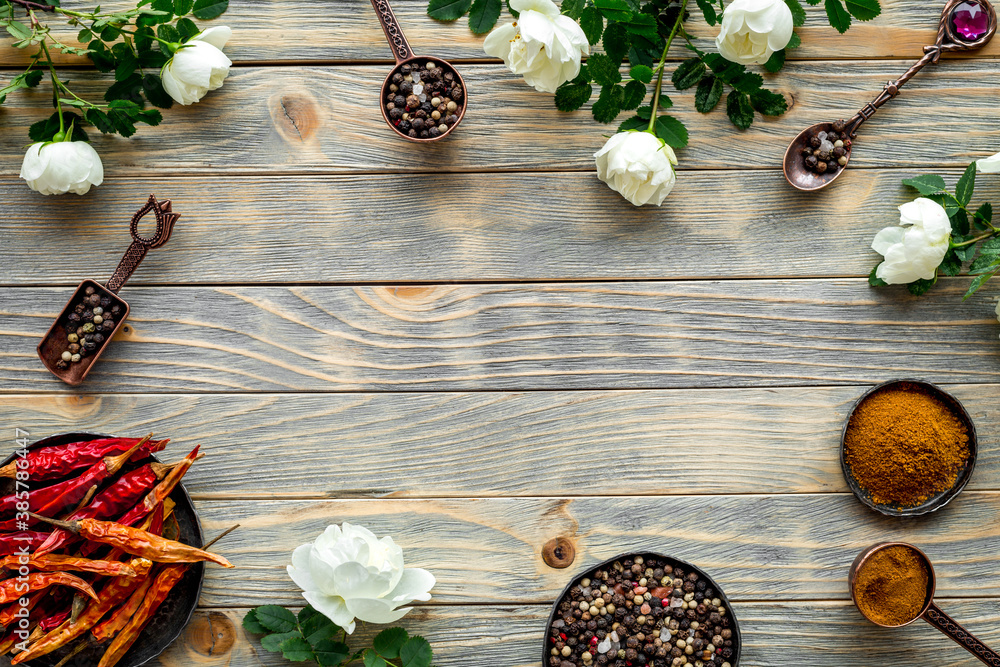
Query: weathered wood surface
{"type": "Point", "coordinates": [818, 634]}
{"type": "Point", "coordinates": [340, 229]}
{"type": "Point", "coordinates": [325, 120]}
{"type": "Point", "coordinates": [496, 444]}
{"type": "Point", "coordinates": [348, 30]}
{"type": "Point", "coordinates": [582, 336]}
{"type": "Point", "coordinates": [757, 547]}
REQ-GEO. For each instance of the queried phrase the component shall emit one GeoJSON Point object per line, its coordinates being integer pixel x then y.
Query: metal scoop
{"type": "Point", "coordinates": [930, 612]}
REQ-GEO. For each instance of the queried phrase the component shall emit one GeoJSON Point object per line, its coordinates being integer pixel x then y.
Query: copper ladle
{"type": "Point", "coordinates": [930, 612]}
{"type": "Point", "coordinates": [404, 56]}
{"type": "Point", "coordinates": [948, 39]}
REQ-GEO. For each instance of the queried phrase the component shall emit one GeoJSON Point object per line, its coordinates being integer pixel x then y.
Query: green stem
{"type": "Point", "coordinates": [973, 241]}
{"type": "Point", "coordinates": [56, 85]}
{"type": "Point", "coordinates": [663, 59]}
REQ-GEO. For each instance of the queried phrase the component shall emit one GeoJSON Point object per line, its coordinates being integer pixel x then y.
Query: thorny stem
{"type": "Point", "coordinates": [56, 84]}
{"type": "Point", "coordinates": [29, 5]}
{"type": "Point", "coordinates": [973, 241]}
{"type": "Point", "coordinates": [663, 59]}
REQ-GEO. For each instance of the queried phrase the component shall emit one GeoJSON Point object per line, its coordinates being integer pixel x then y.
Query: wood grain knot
{"type": "Point", "coordinates": [211, 634]}
{"type": "Point", "coordinates": [559, 553]}
{"type": "Point", "coordinates": [296, 116]}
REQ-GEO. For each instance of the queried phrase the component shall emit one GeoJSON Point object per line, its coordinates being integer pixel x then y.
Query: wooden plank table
{"type": "Point", "coordinates": [476, 346]}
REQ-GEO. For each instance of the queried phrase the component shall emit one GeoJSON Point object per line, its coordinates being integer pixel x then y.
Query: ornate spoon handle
{"type": "Point", "coordinates": [946, 41]}
{"type": "Point", "coordinates": [165, 220]}
{"type": "Point", "coordinates": [960, 635]}
{"type": "Point", "coordinates": [393, 33]}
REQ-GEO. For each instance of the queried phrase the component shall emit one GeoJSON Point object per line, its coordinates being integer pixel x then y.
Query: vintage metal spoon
{"type": "Point", "coordinates": [54, 343]}
{"type": "Point", "coordinates": [965, 25]}
{"type": "Point", "coordinates": [404, 56]}
{"type": "Point", "coordinates": [930, 612]}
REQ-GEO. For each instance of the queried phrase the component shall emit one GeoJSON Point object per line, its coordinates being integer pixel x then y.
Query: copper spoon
{"type": "Point", "coordinates": [930, 612]}
{"type": "Point", "coordinates": [948, 39]}
{"type": "Point", "coordinates": [404, 56]}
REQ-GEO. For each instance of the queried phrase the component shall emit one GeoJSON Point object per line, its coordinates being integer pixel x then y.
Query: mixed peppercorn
{"type": "Point", "coordinates": [642, 612]}
{"type": "Point", "coordinates": [115, 529]}
{"type": "Point", "coordinates": [88, 325]}
{"type": "Point", "coordinates": [424, 100]}
{"type": "Point", "coordinates": [827, 152]}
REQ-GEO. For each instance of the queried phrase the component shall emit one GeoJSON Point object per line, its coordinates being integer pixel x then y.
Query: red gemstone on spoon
{"type": "Point", "coordinates": [971, 21]}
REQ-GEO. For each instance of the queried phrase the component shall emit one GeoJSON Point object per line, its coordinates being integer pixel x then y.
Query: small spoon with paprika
{"type": "Point", "coordinates": [892, 585]}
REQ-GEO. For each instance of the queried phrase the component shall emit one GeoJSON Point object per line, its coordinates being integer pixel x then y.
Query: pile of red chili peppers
{"type": "Point", "coordinates": [85, 547]}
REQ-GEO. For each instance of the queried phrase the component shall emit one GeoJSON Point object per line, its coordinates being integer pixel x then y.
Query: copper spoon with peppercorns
{"type": "Point", "coordinates": [965, 25]}
{"type": "Point", "coordinates": [405, 61]}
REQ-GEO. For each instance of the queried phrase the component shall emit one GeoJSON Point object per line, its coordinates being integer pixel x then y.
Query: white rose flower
{"type": "Point", "coordinates": [913, 250]}
{"type": "Point", "coordinates": [198, 66]}
{"type": "Point", "coordinates": [752, 30]}
{"type": "Point", "coordinates": [990, 165]}
{"type": "Point", "coordinates": [348, 574]}
{"type": "Point", "coordinates": [61, 167]}
{"type": "Point", "coordinates": [998, 310]}
{"type": "Point", "coordinates": [542, 45]}
{"type": "Point", "coordinates": [637, 165]}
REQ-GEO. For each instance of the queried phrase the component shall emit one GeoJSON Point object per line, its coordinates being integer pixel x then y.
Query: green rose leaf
{"type": "Point", "coordinates": [250, 622]}
{"type": "Point", "coordinates": [187, 29]}
{"type": "Point", "coordinates": [573, 8]}
{"type": "Point", "coordinates": [768, 103]}
{"type": "Point", "coordinates": [747, 82]}
{"type": "Point", "coordinates": [614, 10]}
{"type": "Point", "coordinates": [316, 627]}
{"type": "Point", "coordinates": [951, 265]}
{"type": "Point", "coordinates": [275, 618]}
{"type": "Point", "coordinates": [985, 214]}
{"type": "Point", "coordinates": [168, 33]}
{"type": "Point", "coordinates": [708, 10]}
{"type": "Point", "coordinates": [642, 25]}
{"type": "Point", "coordinates": [633, 123]}
{"type": "Point", "coordinates": [672, 131]}
{"type": "Point", "coordinates": [920, 287]}
{"type": "Point", "coordinates": [416, 652]}
{"type": "Point", "coordinates": [739, 109]}
{"type": "Point", "coordinates": [448, 10]}
{"type": "Point", "coordinates": [798, 12]}
{"type": "Point", "coordinates": [688, 73]}
{"type": "Point", "coordinates": [209, 9]}
{"type": "Point", "coordinates": [635, 93]}
{"type": "Point", "coordinates": [989, 247]}
{"type": "Point", "coordinates": [966, 185]}
{"type": "Point", "coordinates": [978, 282]}
{"type": "Point", "coordinates": [616, 42]}
{"type": "Point", "coordinates": [708, 94]}
{"type": "Point", "coordinates": [296, 649]}
{"type": "Point", "coordinates": [641, 73]}
{"type": "Point", "coordinates": [776, 61]}
{"type": "Point", "coordinates": [483, 15]}
{"type": "Point", "coordinates": [839, 18]}
{"type": "Point", "coordinates": [183, 7]}
{"type": "Point", "coordinates": [592, 24]}
{"type": "Point", "coordinates": [388, 643]}
{"type": "Point", "coordinates": [371, 659]}
{"type": "Point", "coordinates": [926, 184]}
{"type": "Point", "coordinates": [273, 642]}
{"type": "Point", "coordinates": [960, 221]}
{"type": "Point", "coordinates": [608, 104]}
{"type": "Point", "coordinates": [572, 96]}
{"type": "Point", "coordinates": [864, 10]}
{"type": "Point", "coordinates": [100, 120]}
{"type": "Point", "coordinates": [603, 70]}
{"type": "Point", "coordinates": [330, 653]}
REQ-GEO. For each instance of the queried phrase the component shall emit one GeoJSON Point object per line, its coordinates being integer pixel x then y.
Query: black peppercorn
{"type": "Point", "coordinates": [74, 318]}
{"type": "Point", "coordinates": [405, 69]}
{"type": "Point", "coordinates": [404, 126]}
{"type": "Point", "coordinates": [105, 302]}
{"type": "Point", "coordinates": [88, 316]}
{"type": "Point", "coordinates": [406, 88]}
{"type": "Point", "coordinates": [89, 290]}
{"type": "Point", "coordinates": [433, 132]}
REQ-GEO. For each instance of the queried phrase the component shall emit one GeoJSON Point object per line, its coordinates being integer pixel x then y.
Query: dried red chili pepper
{"type": "Point", "coordinates": [13, 589]}
{"type": "Point", "coordinates": [55, 620]}
{"type": "Point", "coordinates": [121, 616]}
{"type": "Point", "coordinates": [165, 581]}
{"type": "Point", "coordinates": [51, 500]}
{"type": "Point", "coordinates": [24, 541]}
{"type": "Point", "coordinates": [47, 463]}
{"type": "Point", "coordinates": [59, 563]}
{"type": "Point", "coordinates": [117, 499]}
{"type": "Point", "coordinates": [114, 593]}
{"type": "Point", "coordinates": [161, 491]}
{"type": "Point", "coordinates": [137, 542]}
{"type": "Point", "coordinates": [9, 614]}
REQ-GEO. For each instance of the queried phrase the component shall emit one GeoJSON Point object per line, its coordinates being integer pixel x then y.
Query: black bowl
{"type": "Point", "coordinates": [172, 616]}
{"type": "Point", "coordinates": [938, 501]}
{"type": "Point", "coordinates": [673, 562]}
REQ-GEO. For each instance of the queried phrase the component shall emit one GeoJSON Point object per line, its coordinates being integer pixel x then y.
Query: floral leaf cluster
{"type": "Point", "coordinates": [312, 636]}
{"type": "Point", "coordinates": [974, 241]}
{"type": "Point", "coordinates": [133, 44]}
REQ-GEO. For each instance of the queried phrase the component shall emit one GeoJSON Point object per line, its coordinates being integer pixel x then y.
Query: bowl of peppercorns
{"type": "Point", "coordinates": [642, 610]}
{"type": "Point", "coordinates": [423, 99]}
